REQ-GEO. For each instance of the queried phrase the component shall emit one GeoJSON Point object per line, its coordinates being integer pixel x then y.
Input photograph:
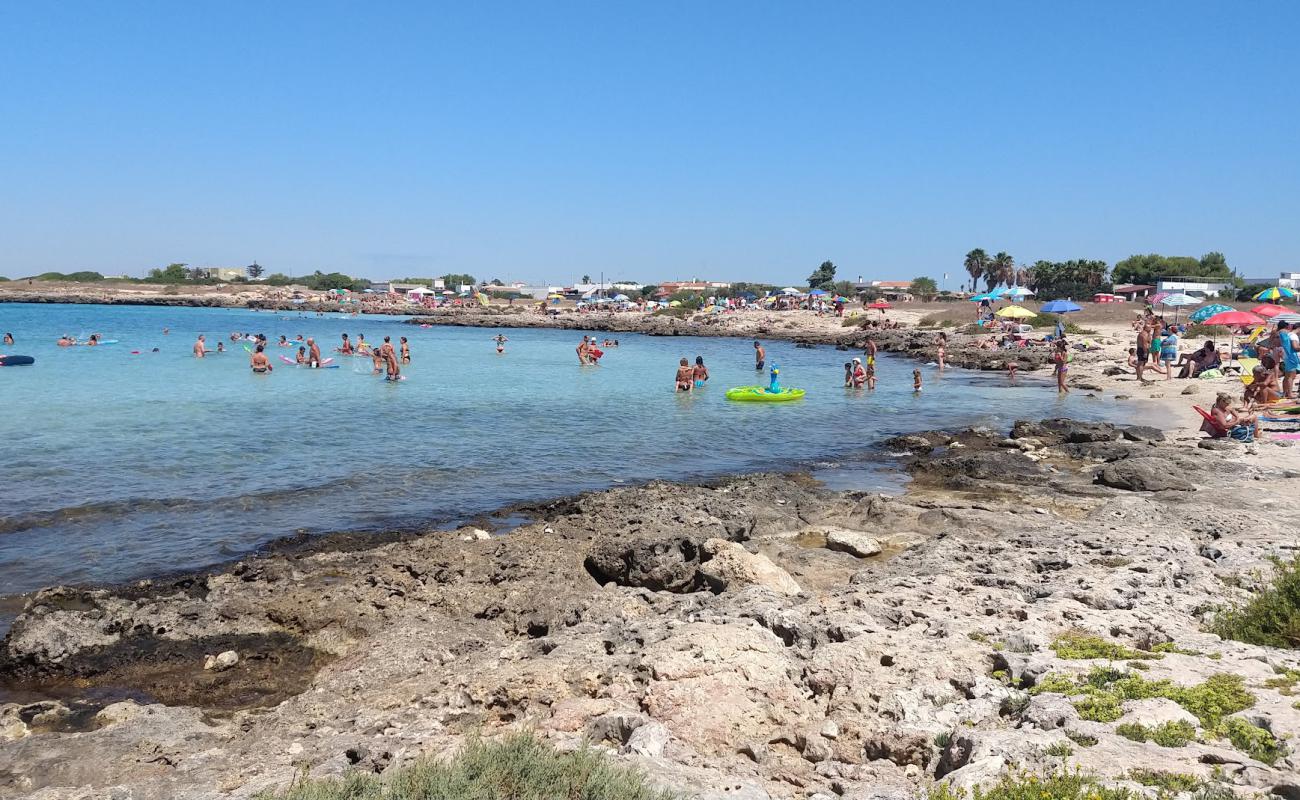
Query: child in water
{"type": "Point", "coordinates": [916, 380]}
{"type": "Point", "coordinates": [701, 372]}
{"type": "Point", "coordinates": [302, 355]}
{"type": "Point", "coordinates": [848, 374]}
{"type": "Point", "coordinates": [501, 340]}
{"type": "Point", "coordinates": [685, 376]}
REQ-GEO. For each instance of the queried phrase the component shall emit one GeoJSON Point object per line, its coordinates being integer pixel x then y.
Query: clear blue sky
{"type": "Point", "coordinates": [732, 140]}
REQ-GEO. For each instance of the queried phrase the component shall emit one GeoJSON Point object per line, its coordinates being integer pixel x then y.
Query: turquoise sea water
{"type": "Point", "coordinates": [119, 466]}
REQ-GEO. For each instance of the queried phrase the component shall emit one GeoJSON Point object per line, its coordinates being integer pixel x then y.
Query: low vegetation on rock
{"type": "Point", "coordinates": [519, 766]}
{"type": "Point", "coordinates": [1272, 617]}
{"type": "Point", "coordinates": [1169, 734]}
{"type": "Point", "coordinates": [1064, 785]}
{"type": "Point", "coordinates": [1076, 645]}
{"type": "Point", "coordinates": [1102, 692]}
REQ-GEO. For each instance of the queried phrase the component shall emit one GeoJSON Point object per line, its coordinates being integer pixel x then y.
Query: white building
{"type": "Point", "coordinates": [1196, 287]}
{"type": "Point", "coordinates": [1290, 280]}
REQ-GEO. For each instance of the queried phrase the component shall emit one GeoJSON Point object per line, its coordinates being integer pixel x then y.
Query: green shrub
{"type": "Point", "coordinates": [1064, 785]}
{"type": "Point", "coordinates": [1142, 665]}
{"type": "Point", "coordinates": [1081, 739]}
{"type": "Point", "coordinates": [1167, 734]}
{"type": "Point", "coordinates": [1059, 750]}
{"type": "Point", "coordinates": [1172, 782]}
{"type": "Point", "coordinates": [1285, 682]}
{"type": "Point", "coordinates": [1272, 617]}
{"type": "Point", "coordinates": [1170, 647]}
{"type": "Point", "coordinates": [1076, 645]}
{"type": "Point", "coordinates": [520, 766]}
{"type": "Point", "coordinates": [1102, 691]}
{"type": "Point", "coordinates": [1255, 742]}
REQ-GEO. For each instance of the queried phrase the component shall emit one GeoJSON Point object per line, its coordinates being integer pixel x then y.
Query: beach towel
{"type": "Point", "coordinates": [1210, 373]}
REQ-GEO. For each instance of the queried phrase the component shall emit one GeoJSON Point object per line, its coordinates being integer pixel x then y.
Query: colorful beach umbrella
{"type": "Point", "coordinates": [1203, 314]}
{"type": "Point", "coordinates": [1235, 318]}
{"type": "Point", "coordinates": [1268, 310]}
{"type": "Point", "coordinates": [1157, 297]}
{"type": "Point", "coordinates": [979, 298]}
{"type": "Point", "coordinates": [1275, 293]}
{"type": "Point", "coordinates": [1060, 307]}
{"type": "Point", "coordinates": [1016, 312]}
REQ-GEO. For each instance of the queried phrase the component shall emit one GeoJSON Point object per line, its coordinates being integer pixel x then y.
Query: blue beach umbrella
{"type": "Point", "coordinates": [816, 293]}
{"type": "Point", "coordinates": [1202, 314]}
{"type": "Point", "coordinates": [1060, 307]}
{"type": "Point", "coordinates": [979, 298]}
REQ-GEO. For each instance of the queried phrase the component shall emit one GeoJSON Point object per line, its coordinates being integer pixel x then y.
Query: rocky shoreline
{"type": "Point", "coordinates": [755, 637]}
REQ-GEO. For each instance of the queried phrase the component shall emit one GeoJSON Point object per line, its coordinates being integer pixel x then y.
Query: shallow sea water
{"type": "Point", "coordinates": [119, 466]}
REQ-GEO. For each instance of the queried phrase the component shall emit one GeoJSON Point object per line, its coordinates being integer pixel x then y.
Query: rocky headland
{"type": "Point", "coordinates": [1039, 598]}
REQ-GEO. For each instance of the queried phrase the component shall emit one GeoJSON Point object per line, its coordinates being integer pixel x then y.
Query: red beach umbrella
{"type": "Point", "coordinates": [1268, 310]}
{"type": "Point", "coordinates": [880, 304]}
{"type": "Point", "coordinates": [1234, 320]}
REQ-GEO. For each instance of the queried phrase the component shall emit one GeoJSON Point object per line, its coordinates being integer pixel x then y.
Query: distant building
{"type": "Point", "coordinates": [1132, 291]}
{"type": "Point", "coordinates": [221, 273]}
{"type": "Point", "coordinates": [1196, 287]}
{"type": "Point", "coordinates": [1289, 280]}
{"type": "Point", "coordinates": [889, 290]}
{"type": "Point", "coordinates": [393, 287]}
{"type": "Point", "coordinates": [673, 287]}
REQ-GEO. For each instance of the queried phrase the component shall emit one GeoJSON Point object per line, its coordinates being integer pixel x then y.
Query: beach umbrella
{"type": "Point", "coordinates": [1157, 297]}
{"type": "Point", "coordinates": [1177, 300]}
{"type": "Point", "coordinates": [1268, 310]}
{"type": "Point", "coordinates": [1275, 293]}
{"type": "Point", "coordinates": [1290, 317]}
{"type": "Point", "coordinates": [979, 298]}
{"type": "Point", "coordinates": [790, 290]}
{"type": "Point", "coordinates": [1200, 315]}
{"type": "Point", "coordinates": [880, 304]}
{"type": "Point", "coordinates": [1016, 312]}
{"type": "Point", "coordinates": [1060, 307]}
{"type": "Point", "coordinates": [1234, 319]}
{"type": "Point", "coordinates": [817, 292]}
{"type": "Point", "coordinates": [1019, 292]}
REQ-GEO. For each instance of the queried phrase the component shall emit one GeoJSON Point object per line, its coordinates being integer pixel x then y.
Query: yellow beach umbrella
{"type": "Point", "coordinates": [1016, 312]}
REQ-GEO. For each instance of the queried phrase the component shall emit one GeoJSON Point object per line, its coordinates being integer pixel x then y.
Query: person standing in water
{"type": "Point", "coordinates": [943, 341]}
{"type": "Point", "coordinates": [583, 348]}
{"type": "Point", "coordinates": [848, 374]}
{"type": "Point", "coordinates": [9, 338]}
{"type": "Point", "coordinates": [501, 340]}
{"type": "Point", "coordinates": [200, 350]}
{"type": "Point", "coordinates": [259, 363]}
{"type": "Point", "coordinates": [760, 356]}
{"type": "Point", "coordinates": [302, 356]}
{"type": "Point", "coordinates": [701, 372]}
{"type": "Point", "coordinates": [390, 360]}
{"type": "Point", "coordinates": [376, 359]}
{"type": "Point", "coordinates": [916, 381]}
{"type": "Point", "coordinates": [871, 354]}
{"type": "Point", "coordinates": [346, 348]}
{"type": "Point", "coordinates": [1061, 365]}
{"type": "Point", "coordinates": [406, 351]}
{"type": "Point", "coordinates": [313, 353]}
{"type": "Point", "coordinates": [685, 376]}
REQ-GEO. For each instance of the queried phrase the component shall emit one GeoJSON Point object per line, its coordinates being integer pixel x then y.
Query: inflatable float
{"type": "Point", "coordinates": [772, 393]}
{"type": "Point", "coordinates": [16, 361]}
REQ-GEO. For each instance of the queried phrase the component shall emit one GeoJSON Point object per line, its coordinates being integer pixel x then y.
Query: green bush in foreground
{"type": "Point", "coordinates": [1172, 782]}
{"type": "Point", "coordinates": [1168, 734]}
{"type": "Point", "coordinates": [520, 766]}
{"type": "Point", "coordinates": [1025, 786]}
{"type": "Point", "coordinates": [1272, 617]}
{"type": "Point", "coordinates": [1255, 742]}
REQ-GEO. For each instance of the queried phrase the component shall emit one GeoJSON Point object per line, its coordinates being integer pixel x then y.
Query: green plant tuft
{"type": "Point", "coordinates": [1172, 782]}
{"type": "Point", "coordinates": [518, 766]}
{"type": "Point", "coordinates": [1063, 785]}
{"type": "Point", "coordinates": [1081, 739]}
{"type": "Point", "coordinates": [1255, 742]}
{"type": "Point", "coordinates": [1167, 734]}
{"type": "Point", "coordinates": [1059, 750]}
{"type": "Point", "coordinates": [1272, 617]}
{"type": "Point", "coordinates": [1102, 691]}
{"type": "Point", "coordinates": [1076, 645]}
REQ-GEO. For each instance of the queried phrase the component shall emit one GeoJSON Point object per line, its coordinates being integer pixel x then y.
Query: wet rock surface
{"type": "Point", "coordinates": [754, 637]}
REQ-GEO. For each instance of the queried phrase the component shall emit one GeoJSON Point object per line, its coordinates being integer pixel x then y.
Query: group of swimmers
{"type": "Point", "coordinates": [588, 352]}
{"type": "Point", "coordinates": [856, 374]}
{"type": "Point", "coordinates": [65, 340]}
{"type": "Point", "coordinates": [690, 378]}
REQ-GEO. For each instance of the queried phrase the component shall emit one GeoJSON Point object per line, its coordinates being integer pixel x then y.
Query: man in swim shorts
{"type": "Point", "coordinates": [871, 353]}
{"type": "Point", "coordinates": [259, 363]}
{"type": "Point", "coordinates": [200, 350]}
{"type": "Point", "coordinates": [313, 353]}
{"type": "Point", "coordinates": [760, 356]}
{"type": "Point", "coordinates": [1143, 347]}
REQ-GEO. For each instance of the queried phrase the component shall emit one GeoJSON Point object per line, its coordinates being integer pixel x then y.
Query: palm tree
{"type": "Point", "coordinates": [976, 261]}
{"type": "Point", "coordinates": [1002, 270]}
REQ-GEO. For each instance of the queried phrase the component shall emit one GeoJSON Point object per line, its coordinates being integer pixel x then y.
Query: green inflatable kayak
{"type": "Point", "coordinates": [762, 395]}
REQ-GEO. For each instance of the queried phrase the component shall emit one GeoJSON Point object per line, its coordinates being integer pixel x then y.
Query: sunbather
{"type": "Point", "coordinates": [1237, 423]}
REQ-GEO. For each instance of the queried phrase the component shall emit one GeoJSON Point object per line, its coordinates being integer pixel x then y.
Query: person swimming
{"type": "Point", "coordinates": [93, 340]}
{"type": "Point", "coordinates": [685, 376]}
{"type": "Point", "coordinates": [701, 372]}
{"type": "Point", "coordinates": [9, 338]}
{"type": "Point", "coordinates": [346, 349]}
{"type": "Point", "coordinates": [221, 346]}
{"type": "Point", "coordinates": [302, 356]}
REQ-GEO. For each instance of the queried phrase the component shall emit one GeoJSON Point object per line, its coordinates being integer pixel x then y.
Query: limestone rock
{"type": "Point", "coordinates": [853, 542]}
{"type": "Point", "coordinates": [1143, 475]}
{"type": "Point", "coordinates": [732, 566]}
